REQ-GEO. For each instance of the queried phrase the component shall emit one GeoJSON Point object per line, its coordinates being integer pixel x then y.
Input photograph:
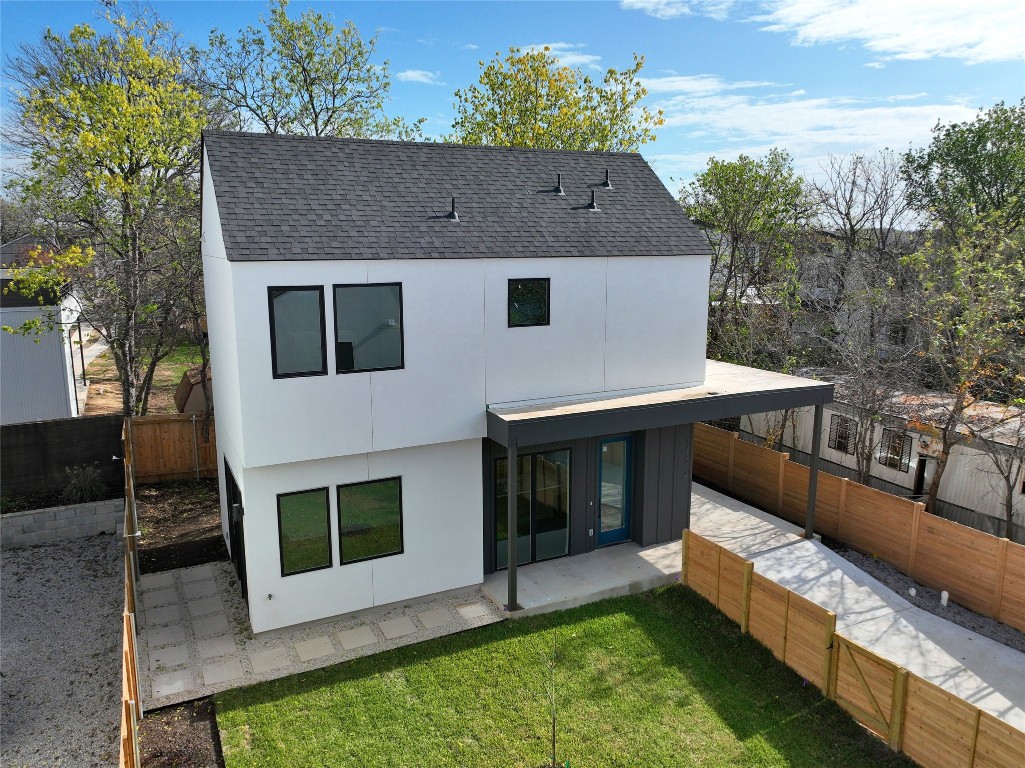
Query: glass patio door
{"type": "Point", "coordinates": [614, 491]}
{"type": "Point", "coordinates": [542, 507]}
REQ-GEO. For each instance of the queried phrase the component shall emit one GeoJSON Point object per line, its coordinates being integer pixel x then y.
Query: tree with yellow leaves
{"type": "Point", "coordinates": [528, 99]}
{"type": "Point", "coordinates": [109, 127]}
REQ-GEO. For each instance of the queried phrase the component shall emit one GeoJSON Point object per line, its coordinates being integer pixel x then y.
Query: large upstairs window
{"type": "Point", "coordinates": [297, 331]}
{"type": "Point", "coordinates": [368, 327]}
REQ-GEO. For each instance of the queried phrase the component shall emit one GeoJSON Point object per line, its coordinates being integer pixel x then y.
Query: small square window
{"type": "Point", "coordinates": [529, 302]}
{"type": "Point", "coordinates": [297, 331]}
{"type": "Point", "coordinates": [842, 433]}
{"type": "Point", "coordinates": [370, 519]}
{"type": "Point", "coordinates": [895, 450]}
{"type": "Point", "coordinates": [368, 327]}
{"type": "Point", "coordinates": [304, 531]}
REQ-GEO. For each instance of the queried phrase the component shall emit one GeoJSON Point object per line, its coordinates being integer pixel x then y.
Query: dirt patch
{"type": "Point", "coordinates": [105, 387]}
{"type": "Point", "coordinates": [180, 523]}
{"type": "Point", "coordinates": [183, 736]}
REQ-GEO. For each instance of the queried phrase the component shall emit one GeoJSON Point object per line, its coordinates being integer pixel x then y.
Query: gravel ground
{"type": "Point", "coordinates": [60, 610]}
{"type": "Point", "coordinates": [929, 600]}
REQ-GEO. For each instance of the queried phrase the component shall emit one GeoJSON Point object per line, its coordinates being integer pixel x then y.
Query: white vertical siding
{"type": "Point", "coordinates": [35, 376]}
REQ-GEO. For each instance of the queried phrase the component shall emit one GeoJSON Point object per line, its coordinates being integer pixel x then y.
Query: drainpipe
{"type": "Point", "coordinates": [813, 474]}
{"type": "Point", "coordinates": [512, 492]}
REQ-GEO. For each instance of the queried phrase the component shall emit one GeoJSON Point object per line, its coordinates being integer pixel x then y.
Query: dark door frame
{"type": "Point", "coordinates": [624, 532]}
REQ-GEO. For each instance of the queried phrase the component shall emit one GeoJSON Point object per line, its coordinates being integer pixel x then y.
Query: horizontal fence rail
{"type": "Point", "coordinates": [990, 574]}
{"type": "Point", "coordinates": [935, 728]}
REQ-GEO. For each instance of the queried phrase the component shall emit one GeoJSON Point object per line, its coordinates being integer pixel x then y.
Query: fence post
{"type": "Point", "coordinates": [779, 483]}
{"type": "Point", "coordinates": [916, 520]}
{"type": "Point", "coordinates": [745, 600]}
{"type": "Point", "coordinates": [729, 471]}
{"type": "Point", "coordinates": [895, 738]}
{"type": "Point", "coordinates": [834, 667]}
{"type": "Point", "coordinates": [975, 736]}
{"type": "Point", "coordinates": [683, 551]}
{"type": "Point", "coordinates": [827, 661]}
{"type": "Point", "coordinates": [841, 510]}
{"type": "Point", "coordinates": [998, 591]}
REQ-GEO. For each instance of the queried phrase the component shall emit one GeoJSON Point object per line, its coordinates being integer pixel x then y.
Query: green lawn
{"type": "Point", "coordinates": [659, 679]}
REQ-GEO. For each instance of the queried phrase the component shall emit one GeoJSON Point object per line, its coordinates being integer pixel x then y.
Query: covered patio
{"type": "Point", "coordinates": [665, 418]}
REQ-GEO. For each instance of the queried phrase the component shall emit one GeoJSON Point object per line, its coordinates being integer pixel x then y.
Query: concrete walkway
{"type": "Point", "coordinates": [195, 640]}
{"type": "Point", "coordinates": [979, 670]}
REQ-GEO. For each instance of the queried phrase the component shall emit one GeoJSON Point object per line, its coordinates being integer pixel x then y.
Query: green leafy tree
{"type": "Point", "coordinates": [528, 100]}
{"type": "Point", "coordinates": [302, 76]}
{"type": "Point", "coordinates": [110, 130]}
{"type": "Point", "coordinates": [973, 313]}
{"type": "Point", "coordinates": [752, 211]}
{"type": "Point", "coordinates": [972, 169]}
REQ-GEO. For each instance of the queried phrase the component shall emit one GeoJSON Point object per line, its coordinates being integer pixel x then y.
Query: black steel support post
{"type": "Point", "coordinates": [813, 474]}
{"type": "Point", "coordinates": [689, 459]}
{"type": "Point", "coordinates": [512, 475]}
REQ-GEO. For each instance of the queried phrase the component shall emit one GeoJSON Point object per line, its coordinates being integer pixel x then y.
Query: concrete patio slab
{"type": "Point", "coordinates": [314, 648]}
{"type": "Point", "coordinates": [197, 573]}
{"type": "Point", "coordinates": [399, 627]}
{"type": "Point", "coordinates": [210, 625]}
{"type": "Point", "coordinates": [156, 597]}
{"type": "Point", "coordinates": [172, 634]}
{"type": "Point", "coordinates": [439, 617]}
{"type": "Point", "coordinates": [203, 588]}
{"type": "Point", "coordinates": [222, 671]}
{"type": "Point", "coordinates": [171, 683]}
{"type": "Point", "coordinates": [359, 637]}
{"type": "Point", "coordinates": [165, 614]}
{"type": "Point", "coordinates": [205, 605]}
{"type": "Point", "coordinates": [161, 659]}
{"type": "Point", "coordinates": [267, 661]}
{"type": "Point", "coordinates": [212, 647]}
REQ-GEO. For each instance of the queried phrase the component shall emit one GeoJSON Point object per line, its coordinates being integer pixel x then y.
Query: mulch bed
{"type": "Point", "coordinates": [180, 523]}
{"type": "Point", "coordinates": [182, 736]}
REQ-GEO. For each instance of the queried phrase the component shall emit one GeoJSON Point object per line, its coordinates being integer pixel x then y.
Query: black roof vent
{"type": "Point", "coordinates": [452, 214]}
{"type": "Point", "coordinates": [607, 183]}
{"type": "Point", "coordinates": [558, 186]}
{"type": "Point", "coordinates": [593, 205]}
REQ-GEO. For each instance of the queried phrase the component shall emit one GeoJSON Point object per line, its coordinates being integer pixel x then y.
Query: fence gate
{"type": "Point", "coordinates": [870, 688]}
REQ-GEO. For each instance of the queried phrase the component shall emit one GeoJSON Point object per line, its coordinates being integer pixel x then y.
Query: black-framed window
{"type": "Point", "coordinates": [370, 519]}
{"type": "Point", "coordinates": [304, 531]}
{"type": "Point", "coordinates": [843, 431]}
{"type": "Point", "coordinates": [368, 327]}
{"type": "Point", "coordinates": [895, 450]}
{"type": "Point", "coordinates": [529, 301]}
{"type": "Point", "coordinates": [297, 345]}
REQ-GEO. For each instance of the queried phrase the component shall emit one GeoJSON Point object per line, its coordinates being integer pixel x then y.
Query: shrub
{"type": "Point", "coordinates": [85, 484]}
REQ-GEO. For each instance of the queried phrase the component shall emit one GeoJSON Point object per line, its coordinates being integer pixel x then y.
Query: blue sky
{"type": "Point", "coordinates": [813, 76]}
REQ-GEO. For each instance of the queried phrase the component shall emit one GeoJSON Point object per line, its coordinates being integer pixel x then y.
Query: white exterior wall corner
{"type": "Point", "coordinates": [224, 341]}
{"type": "Point", "coordinates": [442, 503]}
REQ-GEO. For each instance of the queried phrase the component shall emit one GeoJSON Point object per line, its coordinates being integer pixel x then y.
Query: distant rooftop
{"type": "Point", "coordinates": [293, 198]}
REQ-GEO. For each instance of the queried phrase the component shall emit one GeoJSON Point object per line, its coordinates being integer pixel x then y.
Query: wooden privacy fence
{"type": "Point", "coordinates": [982, 572]}
{"type": "Point", "coordinates": [173, 447]}
{"type": "Point", "coordinates": [932, 726]}
{"type": "Point", "coordinates": [131, 697]}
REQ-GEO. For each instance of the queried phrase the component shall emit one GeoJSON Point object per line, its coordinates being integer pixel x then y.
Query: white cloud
{"type": "Point", "coordinates": [696, 84]}
{"type": "Point", "coordinates": [726, 124]}
{"type": "Point", "coordinates": [419, 76]}
{"type": "Point", "coordinates": [568, 54]}
{"type": "Point", "coordinates": [469, 47]}
{"type": "Point", "coordinates": [673, 9]}
{"type": "Point", "coordinates": [908, 29]}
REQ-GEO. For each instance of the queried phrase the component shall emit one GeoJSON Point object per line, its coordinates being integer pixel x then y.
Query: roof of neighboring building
{"type": "Point", "coordinates": [15, 253]}
{"type": "Point", "coordinates": [294, 198]}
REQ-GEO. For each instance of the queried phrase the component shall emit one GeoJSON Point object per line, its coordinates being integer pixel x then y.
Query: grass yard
{"type": "Point", "coordinates": [658, 679]}
{"type": "Point", "coordinates": [105, 388]}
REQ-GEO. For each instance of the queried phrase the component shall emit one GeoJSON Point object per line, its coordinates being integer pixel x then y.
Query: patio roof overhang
{"type": "Point", "coordinates": [728, 390]}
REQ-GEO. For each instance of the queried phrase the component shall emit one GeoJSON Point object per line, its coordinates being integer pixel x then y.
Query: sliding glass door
{"type": "Point", "coordinates": [542, 506]}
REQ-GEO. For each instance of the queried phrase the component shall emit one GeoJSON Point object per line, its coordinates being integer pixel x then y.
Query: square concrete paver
{"type": "Point", "coordinates": [171, 683]}
{"type": "Point", "coordinates": [212, 647]}
{"type": "Point", "coordinates": [399, 627]}
{"type": "Point", "coordinates": [357, 638]}
{"type": "Point", "coordinates": [314, 648]}
{"type": "Point", "coordinates": [470, 611]}
{"type": "Point", "coordinates": [165, 614]}
{"type": "Point", "coordinates": [169, 635]}
{"type": "Point", "coordinates": [197, 573]}
{"type": "Point", "coordinates": [157, 597]}
{"type": "Point", "coordinates": [265, 661]}
{"type": "Point", "coordinates": [194, 589]}
{"type": "Point", "coordinates": [222, 671]}
{"type": "Point", "coordinates": [439, 617]}
{"type": "Point", "coordinates": [172, 656]}
{"type": "Point", "coordinates": [209, 626]}
{"type": "Point", "coordinates": [156, 580]}
{"type": "Point", "coordinates": [205, 606]}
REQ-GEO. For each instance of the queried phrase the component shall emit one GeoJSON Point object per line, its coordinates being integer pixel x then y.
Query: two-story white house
{"type": "Point", "coordinates": [391, 323]}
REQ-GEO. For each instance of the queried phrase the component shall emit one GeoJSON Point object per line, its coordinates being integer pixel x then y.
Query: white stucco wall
{"type": "Point", "coordinates": [442, 533]}
{"type": "Point", "coordinates": [616, 325]}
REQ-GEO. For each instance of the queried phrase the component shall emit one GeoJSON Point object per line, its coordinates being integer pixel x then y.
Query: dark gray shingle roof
{"type": "Point", "coordinates": [291, 198]}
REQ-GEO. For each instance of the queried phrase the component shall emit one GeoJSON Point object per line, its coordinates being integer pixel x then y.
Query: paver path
{"type": "Point", "coordinates": [195, 638]}
{"type": "Point", "coordinates": [979, 670]}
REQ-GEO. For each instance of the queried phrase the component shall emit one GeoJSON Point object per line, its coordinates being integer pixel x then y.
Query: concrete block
{"type": "Point", "coordinates": [52, 525]}
{"type": "Point", "coordinates": [65, 513]}
{"type": "Point", "coordinates": [31, 527]}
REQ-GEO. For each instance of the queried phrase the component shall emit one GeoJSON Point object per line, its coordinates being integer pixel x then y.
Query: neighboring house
{"type": "Point", "coordinates": [393, 323]}
{"type": "Point", "coordinates": [37, 372]}
{"type": "Point", "coordinates": [904, 451]}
